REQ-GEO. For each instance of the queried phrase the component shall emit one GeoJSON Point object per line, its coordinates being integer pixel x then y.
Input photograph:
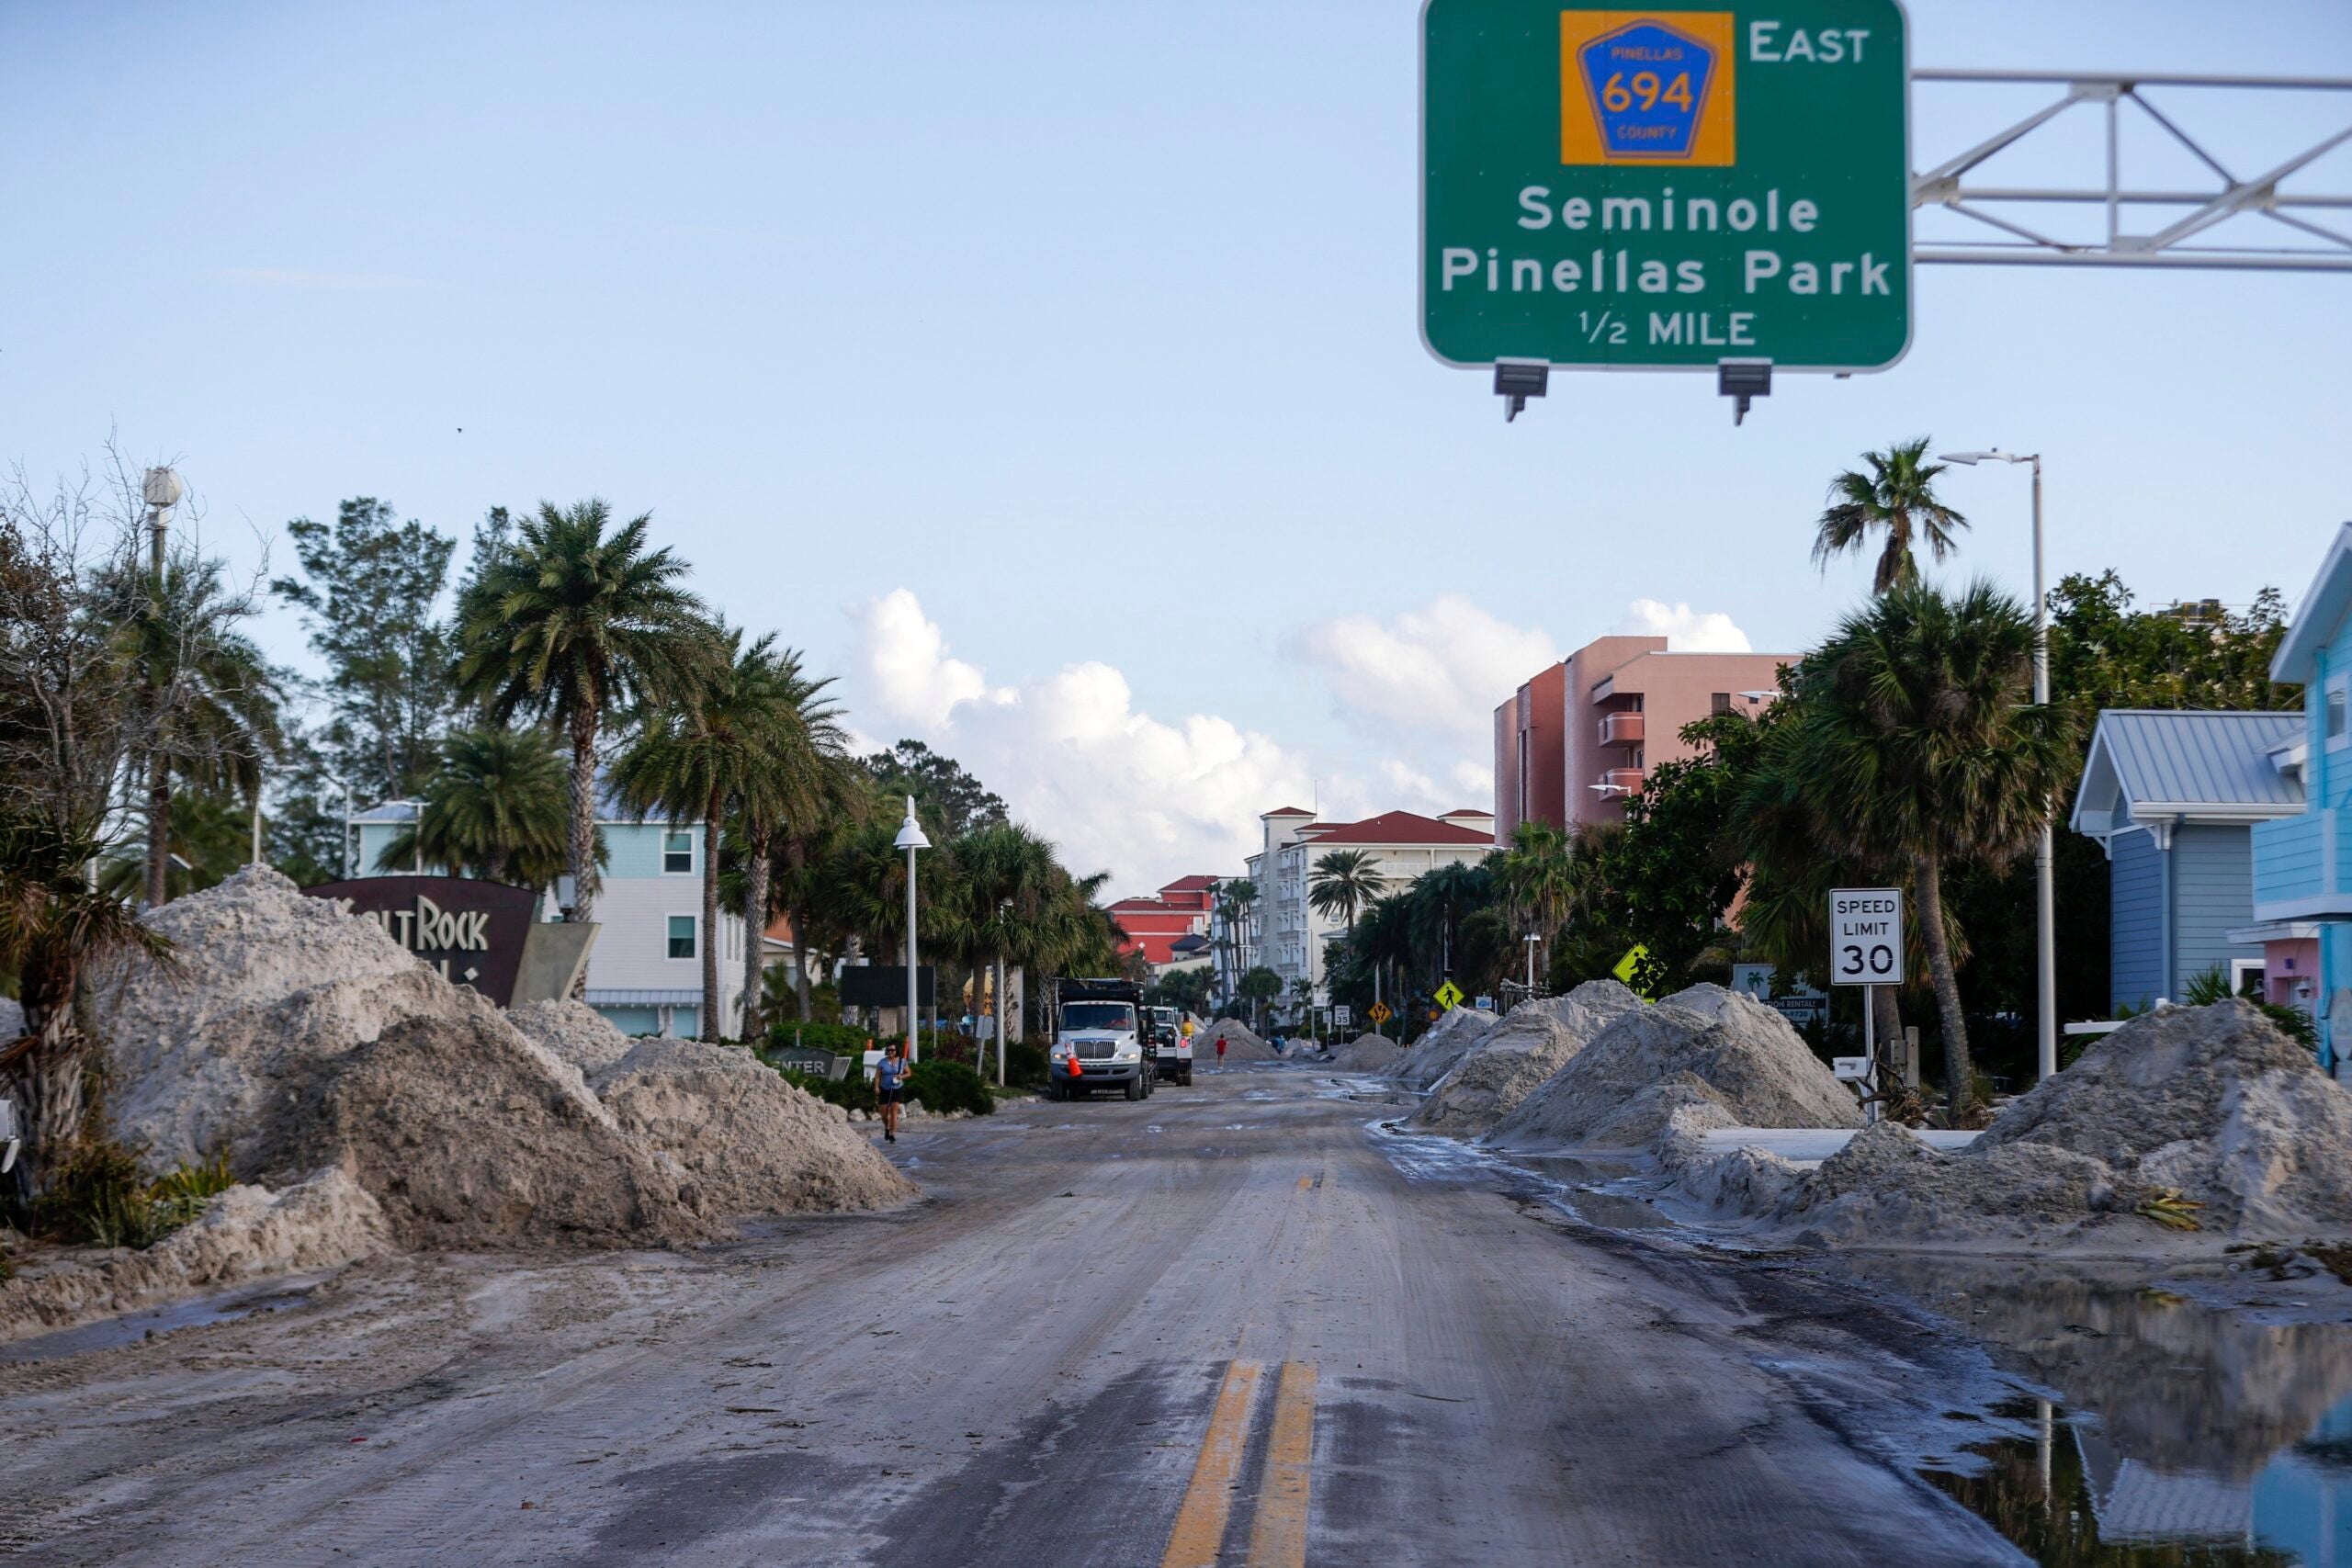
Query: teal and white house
{"type": "Point", "coordinates": [645, 970]}
{"type": "Point", "coordinates": [2302, 864]}
{"type": "Point", "coordinates": [2175, 798]}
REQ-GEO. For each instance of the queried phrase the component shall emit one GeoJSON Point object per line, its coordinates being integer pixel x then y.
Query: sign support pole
{"type": "Point", "coordinates": [1870, 1049]}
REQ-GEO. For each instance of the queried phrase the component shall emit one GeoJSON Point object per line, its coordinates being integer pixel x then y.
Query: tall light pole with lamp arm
{"type": "Point", "coordinates": [2044, 892]}
{"type": "Point", "coordinates": [911, 839]}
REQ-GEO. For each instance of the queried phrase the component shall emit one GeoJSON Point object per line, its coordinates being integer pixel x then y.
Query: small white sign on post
{"type": "Point", "coordinates": [1342, 1016]}
{"type": "Point", "coordinates": [1866, 936]}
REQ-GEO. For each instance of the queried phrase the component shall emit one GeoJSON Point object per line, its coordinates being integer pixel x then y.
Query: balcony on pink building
{"type": "Point", "coordinates": [1622, 728]}
{"type": "Point", "coordinates": [1621, 781]}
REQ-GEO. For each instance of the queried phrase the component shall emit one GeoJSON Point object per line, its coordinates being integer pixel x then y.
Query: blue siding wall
{"type": "Point", "coordinates": [2212, 891]}
{"type": "Point", "coordinates": [634, 849]}
{"type": "Point", "coordinates": [2135, 937]}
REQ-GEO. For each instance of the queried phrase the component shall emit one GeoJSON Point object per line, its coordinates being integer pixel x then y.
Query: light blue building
{"type": "Point", "coordinates": [645, 970]}
{"type": "Point", "coordinates": [2302, 864]}
{"type": "Point", "coordinates": [2175, 798]}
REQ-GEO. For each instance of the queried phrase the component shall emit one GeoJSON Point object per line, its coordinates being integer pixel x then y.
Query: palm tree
{"type": "Point", "coordinates": [1897, 495]}
{"type": "Point", "coordinates": [1912, 741]}
{"type": "Point", "coordinates": [1540, 878]}
{"type": "Point", "coordinates": [574, 622]}
{"type": "Point", "coordinates": [1259, 985]}
{"type": "Point", "coordinates": [810, 779]}
{"type": "Point", "coordinates": [53, 929]}
{"type": "Point", "coordinates": [211, 701]}
{"type": "Point", "coordinates": [697, 758]}
{"type": "Point", "coordinates": [1344, 881]}
{"type": "Point", "coordinates": [495, 808]}
{"type": "Point", "coordinates": [1011, 883]}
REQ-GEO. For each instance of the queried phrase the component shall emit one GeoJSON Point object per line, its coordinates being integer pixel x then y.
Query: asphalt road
{"type": "Point", "coordinates": [1230, 1324]}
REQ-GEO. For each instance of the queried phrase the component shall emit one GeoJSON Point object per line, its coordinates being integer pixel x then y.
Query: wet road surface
{"type": "Point", "coordinates": [1229, 1324]}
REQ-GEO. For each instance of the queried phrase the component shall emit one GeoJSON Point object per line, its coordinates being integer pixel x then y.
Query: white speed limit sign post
{"type": "Point", "coordinates": [1866, 949]}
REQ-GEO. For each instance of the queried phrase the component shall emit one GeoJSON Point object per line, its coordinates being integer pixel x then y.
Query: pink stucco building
{"type": "Point", "coordinates": [1578, 738]}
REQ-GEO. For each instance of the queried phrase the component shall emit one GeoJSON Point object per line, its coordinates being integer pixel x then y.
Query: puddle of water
{"type": "Point", "coordinates": [108, 1333]}
{"type": "Point", "coordinates": [2180, 1433]}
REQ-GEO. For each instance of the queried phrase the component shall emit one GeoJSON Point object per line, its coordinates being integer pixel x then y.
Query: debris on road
{"type": "Point", "coordinates": [246, 1233]}
{"type": "Point", "coordinates": [1240, 1044]}
{"type": "Point", "coordinates": [1506, 1063]}
{"type": "Point", "coordinates": [1434, 1054]}
{"type": "Point", "coordinates": [2206, 1116]}
{"type": "Point", "coordinates": [302, 1041]}
{"type": "Point", "coordinates": [1716, 1056]}
{"type": "Point", "coordinates": [1366, 1053]}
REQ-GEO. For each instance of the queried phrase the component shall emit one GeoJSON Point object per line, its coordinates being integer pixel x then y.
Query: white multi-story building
{"type": "Point", "coordinates": [645, 970]}
{"type": "Point", "coordinates": [1290, 932]}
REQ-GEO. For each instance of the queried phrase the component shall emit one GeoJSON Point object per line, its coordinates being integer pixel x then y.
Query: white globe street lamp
{"type": "Point", "coordinates": [2044, 894]}
{"type": "Point", "coordinates": [911, 839]}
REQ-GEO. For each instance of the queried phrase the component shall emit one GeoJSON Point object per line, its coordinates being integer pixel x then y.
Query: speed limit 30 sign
{"type": "Point", "coordinates": [1866, 936]}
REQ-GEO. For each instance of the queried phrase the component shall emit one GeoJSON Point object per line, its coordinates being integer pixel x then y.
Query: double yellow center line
{"type": "Point", "coordinates": [1278, 1534]}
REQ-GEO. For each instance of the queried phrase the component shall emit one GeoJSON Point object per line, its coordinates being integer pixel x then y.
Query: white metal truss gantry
{"type": "Point", "coordinates": [2185, 218]}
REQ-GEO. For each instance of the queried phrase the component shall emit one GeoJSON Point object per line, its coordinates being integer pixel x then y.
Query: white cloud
{"type": "Point", "coordinates": [1148, 798]}
{"type": "Point", "coordinates": [1686, 630]}
{"type": "Point", "coordinates": [1445, 666]}
{"type": "Point", "coordinates": [904, 658]}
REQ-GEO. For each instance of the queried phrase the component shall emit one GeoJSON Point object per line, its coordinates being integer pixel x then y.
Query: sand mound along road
{"type": "Point", "coordinates": [2211, 1103]}
{"type": "Point", "coordinates": [1434, 1054]}
{"type": "Point", "coordinates": [1716, 1057]}
{"type": "Point", "coordinates": [1504, 1065]}
{"type": "Point", "coordinates": [320, 1055]}
{"type": "Point", "coordinates": [1366, 1053]}
{"type": "Point", "coordinates": [1240, 1045]}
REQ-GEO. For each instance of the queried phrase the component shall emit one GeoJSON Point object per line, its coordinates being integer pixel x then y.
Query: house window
{"type": "Point", "coordinates": [2335, 705]}
{"type": "Point", "coordinates": [677, 854]}
{"type": "Point", "coordinates": [1722, 702]}
{"type": "Point", "coordinates": [682, 936]}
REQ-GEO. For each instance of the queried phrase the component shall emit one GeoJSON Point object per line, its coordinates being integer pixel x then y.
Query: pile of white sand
{"type": "Point", "coordinates": [1505, 1064]}
{"type": "Point", "coordinates": [2213, 1103]}
{"type": "Point", "coordinates": [246, 1233]}
{"type": "Point", "coordinates": [1717, 1057]}
{"type": "Point", "coordinates": [297, 1038]}
{"type": "Point", "coordinates": [1366, 1053]}
{"type": "Point", "coordinates": [1240, 1045]}
{"type": "Point", "coordinates": [1433, 1055]}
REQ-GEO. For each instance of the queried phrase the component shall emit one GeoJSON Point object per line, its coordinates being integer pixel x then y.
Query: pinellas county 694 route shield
{"type": "Point", "coordinates": [1622, 189]}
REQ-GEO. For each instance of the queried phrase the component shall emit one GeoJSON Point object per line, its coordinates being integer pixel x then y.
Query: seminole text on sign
{"type": "Point", "coordinates": [1655, 188]}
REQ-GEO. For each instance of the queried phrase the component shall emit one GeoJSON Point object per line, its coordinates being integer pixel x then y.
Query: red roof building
{"type": "Point", "coordinates": [1153, 925]}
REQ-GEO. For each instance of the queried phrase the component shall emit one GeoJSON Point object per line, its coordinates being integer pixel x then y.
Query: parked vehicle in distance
{"type": "Point", "coordinates": [1102, 1039]}
{"type": "Point", "coordinates": [1172, 1048]}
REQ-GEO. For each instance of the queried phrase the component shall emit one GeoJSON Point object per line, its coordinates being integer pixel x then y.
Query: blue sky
{"type": "Point", "coordinates": [1089, 327]}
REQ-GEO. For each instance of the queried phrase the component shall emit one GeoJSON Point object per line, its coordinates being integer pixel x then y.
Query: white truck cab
{"type": "Point", "coordinates": [1102, 1039]}
{"type": "Point", "coordinates": [1171, 1047]}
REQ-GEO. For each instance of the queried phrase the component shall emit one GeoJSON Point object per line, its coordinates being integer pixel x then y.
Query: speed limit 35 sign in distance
{"type": "Point", "coordinates": [1866, 936]}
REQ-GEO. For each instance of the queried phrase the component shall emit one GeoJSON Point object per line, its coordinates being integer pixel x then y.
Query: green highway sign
{"type": "Point", "coordinates": [1606, 188]}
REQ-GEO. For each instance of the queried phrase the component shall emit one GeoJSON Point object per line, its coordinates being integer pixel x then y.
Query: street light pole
{"type": "Point", "coordinates": [911, 839]}
{"type": "Point", "coordinates": [1531, 940]}
{"type": "Point", "coordinates": [2045, 899]}
{"type": "Point", "coordinates": [1004, 919]}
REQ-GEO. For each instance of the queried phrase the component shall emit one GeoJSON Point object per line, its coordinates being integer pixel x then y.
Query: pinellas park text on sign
{"type": "Point", "coordinates": [1614, 188]}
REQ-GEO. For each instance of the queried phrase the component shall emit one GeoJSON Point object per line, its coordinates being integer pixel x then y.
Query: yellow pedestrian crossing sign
{"type": "Point", "coordinates": [1630, 964]}
{"type": "Point", "coordinates": [1378, 1012]}
{"type": "Point", "coordinates": [1449, 995]}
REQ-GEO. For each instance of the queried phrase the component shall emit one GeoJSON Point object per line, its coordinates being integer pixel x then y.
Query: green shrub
{"type": "Point", "coordinates": [98, 1195]}
{"type": "Point", "coordinates": [2205, 989]}
{"type": "Point", "coordinates": [852, 1093]}
{"type": "Point", "coordinates": [945, 1087]}
{"type": "Point", "coordinates": [845, 1038]}
{"type": "Point", "coordinates": [1026, 1063]}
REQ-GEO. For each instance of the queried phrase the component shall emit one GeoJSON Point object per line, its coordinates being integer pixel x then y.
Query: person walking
{"type": "Point", "coordinates": [891, 1087]}
{"type": "Point", "coordinates": [1220, 1050]}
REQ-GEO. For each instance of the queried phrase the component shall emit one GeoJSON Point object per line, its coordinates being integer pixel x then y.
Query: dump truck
{"type": "Point", "coordinates": [1172, 1054]}
{"type": "Point", "coordinates": [1102, 1040]}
